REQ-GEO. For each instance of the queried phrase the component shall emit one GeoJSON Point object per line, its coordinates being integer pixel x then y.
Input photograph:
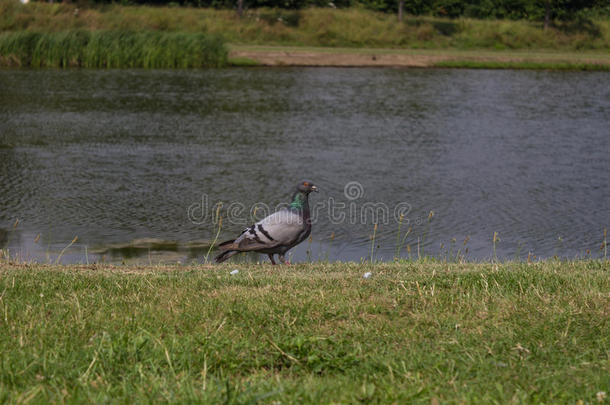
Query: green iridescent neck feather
{"type": "Point", "coordinates": [298, 201]}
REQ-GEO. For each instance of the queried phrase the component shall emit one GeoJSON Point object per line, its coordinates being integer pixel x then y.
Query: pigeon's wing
{"type": "Point", "coordinates": [283, 226]}
{"type": "Point", "coordinates": [280, 228]}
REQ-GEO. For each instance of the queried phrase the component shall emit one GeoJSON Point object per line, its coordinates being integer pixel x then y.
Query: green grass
{"type": "Point", "coordinates": [454, 52]}
{"type": "Point", "coordinates": [353, 27]}
{"type": "Point", "coordinates": [470, 64]}
{"type": "Point", "coordinates": [111, 49]}
{"type": "Point", "coordinates": [243, 62]}
{"type": "Point", "coordinates": [315, 333]}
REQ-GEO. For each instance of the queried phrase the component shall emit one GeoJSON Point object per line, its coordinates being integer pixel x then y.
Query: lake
{"type": "Point", "coordinates": [134, 162]}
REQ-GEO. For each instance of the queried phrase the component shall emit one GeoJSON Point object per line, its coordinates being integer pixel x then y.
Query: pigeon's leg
{"type": "Point", "coordinates": [271, 258]}
{"type": "Point", "coordinates": [283, 259]}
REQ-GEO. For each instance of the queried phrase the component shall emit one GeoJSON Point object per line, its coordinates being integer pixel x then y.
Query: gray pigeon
{"type": "Point", "coordinates": [278, 232]}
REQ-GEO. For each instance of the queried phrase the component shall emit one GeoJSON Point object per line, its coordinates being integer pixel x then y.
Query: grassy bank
{"type": "Point", "coordinates": [248, 55]}
{"type": "Point", "coordinates": [529, 65]}
{"type": "Point", "coordinates": [319, 333]}
{"type": "Point", "coordinates": [310, 27]}
{"type": "Point", "coordinates": [111, 49]}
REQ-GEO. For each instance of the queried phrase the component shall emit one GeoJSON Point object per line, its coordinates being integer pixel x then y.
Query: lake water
{"type": "Point", "coordinates": [133, 162]}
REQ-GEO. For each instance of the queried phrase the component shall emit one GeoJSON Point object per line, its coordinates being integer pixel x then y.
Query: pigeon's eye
{"type": "Point", "coordinates": [305, 183]}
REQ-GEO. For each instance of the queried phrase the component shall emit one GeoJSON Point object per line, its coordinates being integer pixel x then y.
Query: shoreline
{"type": "Point", "coordinates": [240, 55]}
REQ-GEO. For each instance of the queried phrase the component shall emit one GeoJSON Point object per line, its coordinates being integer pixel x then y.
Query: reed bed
{"type": "Point", "coordinates": [112, 49]}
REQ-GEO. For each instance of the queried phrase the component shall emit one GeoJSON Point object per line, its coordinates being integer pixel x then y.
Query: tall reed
{"type": "Point", "coordinates": [112, 49]}
{"type": "Point", "coordinates": [373, 242]}
{"type": "Point", "coordinates": [218, 220]}
{"type": "Point", "coordinates": [400, 242]}
{"type": "Point", "coordinates": [605, 243]}
{"type": "Point", "coordinates": [65, 248]}
{"type": "Point", "coordinates": [495, 240]}
{"type": "Point", "coordinates": [423, 239]}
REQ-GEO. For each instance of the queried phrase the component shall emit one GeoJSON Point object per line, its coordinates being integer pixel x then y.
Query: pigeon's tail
{"type": "Point", "coordinates": [225, 255]}
{"type": "Point", "coordinates": [224, 245]}
{"type": "Point", "coordinates": [225, 251]}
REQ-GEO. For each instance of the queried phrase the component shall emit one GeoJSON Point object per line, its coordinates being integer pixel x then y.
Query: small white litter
{"type": "Point", "coordinates": [234, 272]}
{"type": "Point", "coordinates": [368, 274]}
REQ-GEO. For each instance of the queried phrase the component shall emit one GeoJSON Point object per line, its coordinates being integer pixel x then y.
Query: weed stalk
{"type": "Point", "coordinates": [219, 221]}
{"type": "Point", "coordinates": [373, 241]}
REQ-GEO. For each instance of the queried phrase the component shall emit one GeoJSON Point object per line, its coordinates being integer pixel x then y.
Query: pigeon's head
{"type": "Point", "coordinates": [306, 187]}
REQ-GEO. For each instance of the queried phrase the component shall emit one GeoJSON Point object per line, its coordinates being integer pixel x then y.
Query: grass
{"type": "Point", "coordinates": [111, 49]}
{"type": "Point", "coordinates": [42, 34]}
{"type": "Point", "coordinates": [242, 62]}
{"type": "Point", "coordinates": [540, 54]}
{"type": "Point", "coordinates": [470, 64]}
{"type": "Point", "coordinates": [353, 27]}
{"type": "Point", "coordinates": [316, 333]}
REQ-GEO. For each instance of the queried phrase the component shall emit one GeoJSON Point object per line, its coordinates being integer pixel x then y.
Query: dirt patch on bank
{"type": "Point", "coordinates": [298, 58]}
{"type": "Point", "coordinates": [386, 59]}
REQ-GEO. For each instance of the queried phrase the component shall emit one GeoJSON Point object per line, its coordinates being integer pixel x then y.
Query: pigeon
{"type": "Point", "coordinates": [277, 233]}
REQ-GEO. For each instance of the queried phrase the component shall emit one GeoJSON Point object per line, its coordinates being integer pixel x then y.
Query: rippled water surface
{"type": "Point", "coordinates": [118, 157]}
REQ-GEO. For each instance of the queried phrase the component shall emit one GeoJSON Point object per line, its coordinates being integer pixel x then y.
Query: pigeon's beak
{"type": "Point", "coordinates": [314, 188]}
